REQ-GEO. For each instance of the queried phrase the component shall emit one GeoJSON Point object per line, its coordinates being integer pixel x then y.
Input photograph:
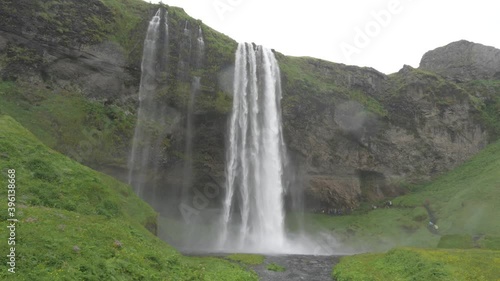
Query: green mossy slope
{"type": "Point", "coordinates": [78, 224]}
{"type": "Point", "coordinates": [87, 131]}
{"type": "Point", "coordinates": [464, 203]}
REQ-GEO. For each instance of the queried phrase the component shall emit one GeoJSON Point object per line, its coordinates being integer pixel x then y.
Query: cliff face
{"type": "Point", "coordinates": [360, 134]}
{"type": "Point", "coordinates": [463, 61]}
{"type": "Point", "coordinates": [70, 74]}
{"type": "Point", "coordinates": [62, 42]}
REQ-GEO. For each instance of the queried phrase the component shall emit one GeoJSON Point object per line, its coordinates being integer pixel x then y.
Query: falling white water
{"type": "Point", "coordinates": [187, 179]}
{"type": "Point", "coordinates": [201, 47]}
{"type": "Point", "coordinates": [253, 215]}
{"type": "Point", "coordinates": [149, 113]}
{"type": "Point", "coordinates": [186, 29]}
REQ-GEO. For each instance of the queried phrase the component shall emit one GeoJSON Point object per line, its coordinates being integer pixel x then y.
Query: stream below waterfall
{"type": "Point", "coordinates": [297, 267]}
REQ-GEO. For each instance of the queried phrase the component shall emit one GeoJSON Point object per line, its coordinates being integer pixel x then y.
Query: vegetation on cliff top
{"type": "Point", "coordinates": [78, 224]}
{"type": "Point", "coordinates": [309, 80]}
{"type": "Point", "coordinates": [65, 22]}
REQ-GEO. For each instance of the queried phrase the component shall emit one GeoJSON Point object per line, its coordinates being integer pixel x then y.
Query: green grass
{"type": "Point", "coordinates": [51, 180]}
{"type": "Point", "coordinates": [464, 202]}
{"type": "Point", "coordinates": [128, 15]}
{"type": "Point", "coordinates": [465, 199]}
{"type": "Point", "coordinates": [376, 230]}
{"type": "Point", "coordinates": [421, 264]}
{"type": "Point", "coordinates": [275, 267]}
{"type": "Point", "coordinates": [489, 242]}
{"type": "Point", "coordinates": [79, 224]}
{"type": "Point", "coordinates": [87, 131]}
{"type": "Point", "coordinates": [249, 259]}
{"type": "Point", "coordinates": [456, 241]}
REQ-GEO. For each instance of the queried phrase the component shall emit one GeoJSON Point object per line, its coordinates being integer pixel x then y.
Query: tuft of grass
{"type": "Point", "coordinates": [456, 241]}
{"type": "Point", "coordinates": [489, 242]}
{"type": "Point", "coordinates": [275, 267]}
{"type": "Point", "coordinates": [248, 259]}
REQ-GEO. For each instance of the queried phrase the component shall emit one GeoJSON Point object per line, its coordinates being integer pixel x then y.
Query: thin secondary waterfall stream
{"type": "Point", "coordinates": [187, 179]}
{"type": "Point", "coordinates": [253, 215]}
{"type": "Point", "coordinates": [143, 164]}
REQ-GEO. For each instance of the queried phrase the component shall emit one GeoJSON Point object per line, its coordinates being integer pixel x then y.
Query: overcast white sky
{"type": "Point", "coordinates": [383, 34]}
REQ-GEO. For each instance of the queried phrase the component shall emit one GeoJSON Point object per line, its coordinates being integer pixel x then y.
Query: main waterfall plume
{"type": "Point", "coordinates": [150, 128]}
{"type": "Point", "coordinates": [253, 214]}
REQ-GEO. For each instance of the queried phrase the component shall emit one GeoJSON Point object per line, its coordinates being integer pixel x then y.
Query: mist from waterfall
{"type": "Point", "coordinates": [151, 122]}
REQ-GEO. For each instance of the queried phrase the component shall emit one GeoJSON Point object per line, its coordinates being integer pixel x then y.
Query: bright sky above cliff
{"type": "Point", "coordinates": [383, 34]}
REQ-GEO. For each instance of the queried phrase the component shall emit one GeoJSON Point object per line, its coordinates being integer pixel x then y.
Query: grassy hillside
{"type": "Point", "coordinates": [464, 200]}
{"type": "Point", "coordinates": [464, 203]}
{"type": "Point", "coordinates": [86, 130]}
{"type": "Point", "coordinates": [421, 264]}
{"type": "Point", "coordinates": [78, 224]}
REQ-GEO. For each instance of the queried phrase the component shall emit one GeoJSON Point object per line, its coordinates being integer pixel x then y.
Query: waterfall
{"type": "Point", "coordinates": [187, 179]}
{"type": "Point", "coordinates": [143, 161]}
{"type": "Point", "coordinates": [186, 29]}
{"type": "Point", "coordinates": [253, 214]}
{"type": "Point", "coordinates": [201, 48]}
{"type": "Point", "coordinates": [188, 154]}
